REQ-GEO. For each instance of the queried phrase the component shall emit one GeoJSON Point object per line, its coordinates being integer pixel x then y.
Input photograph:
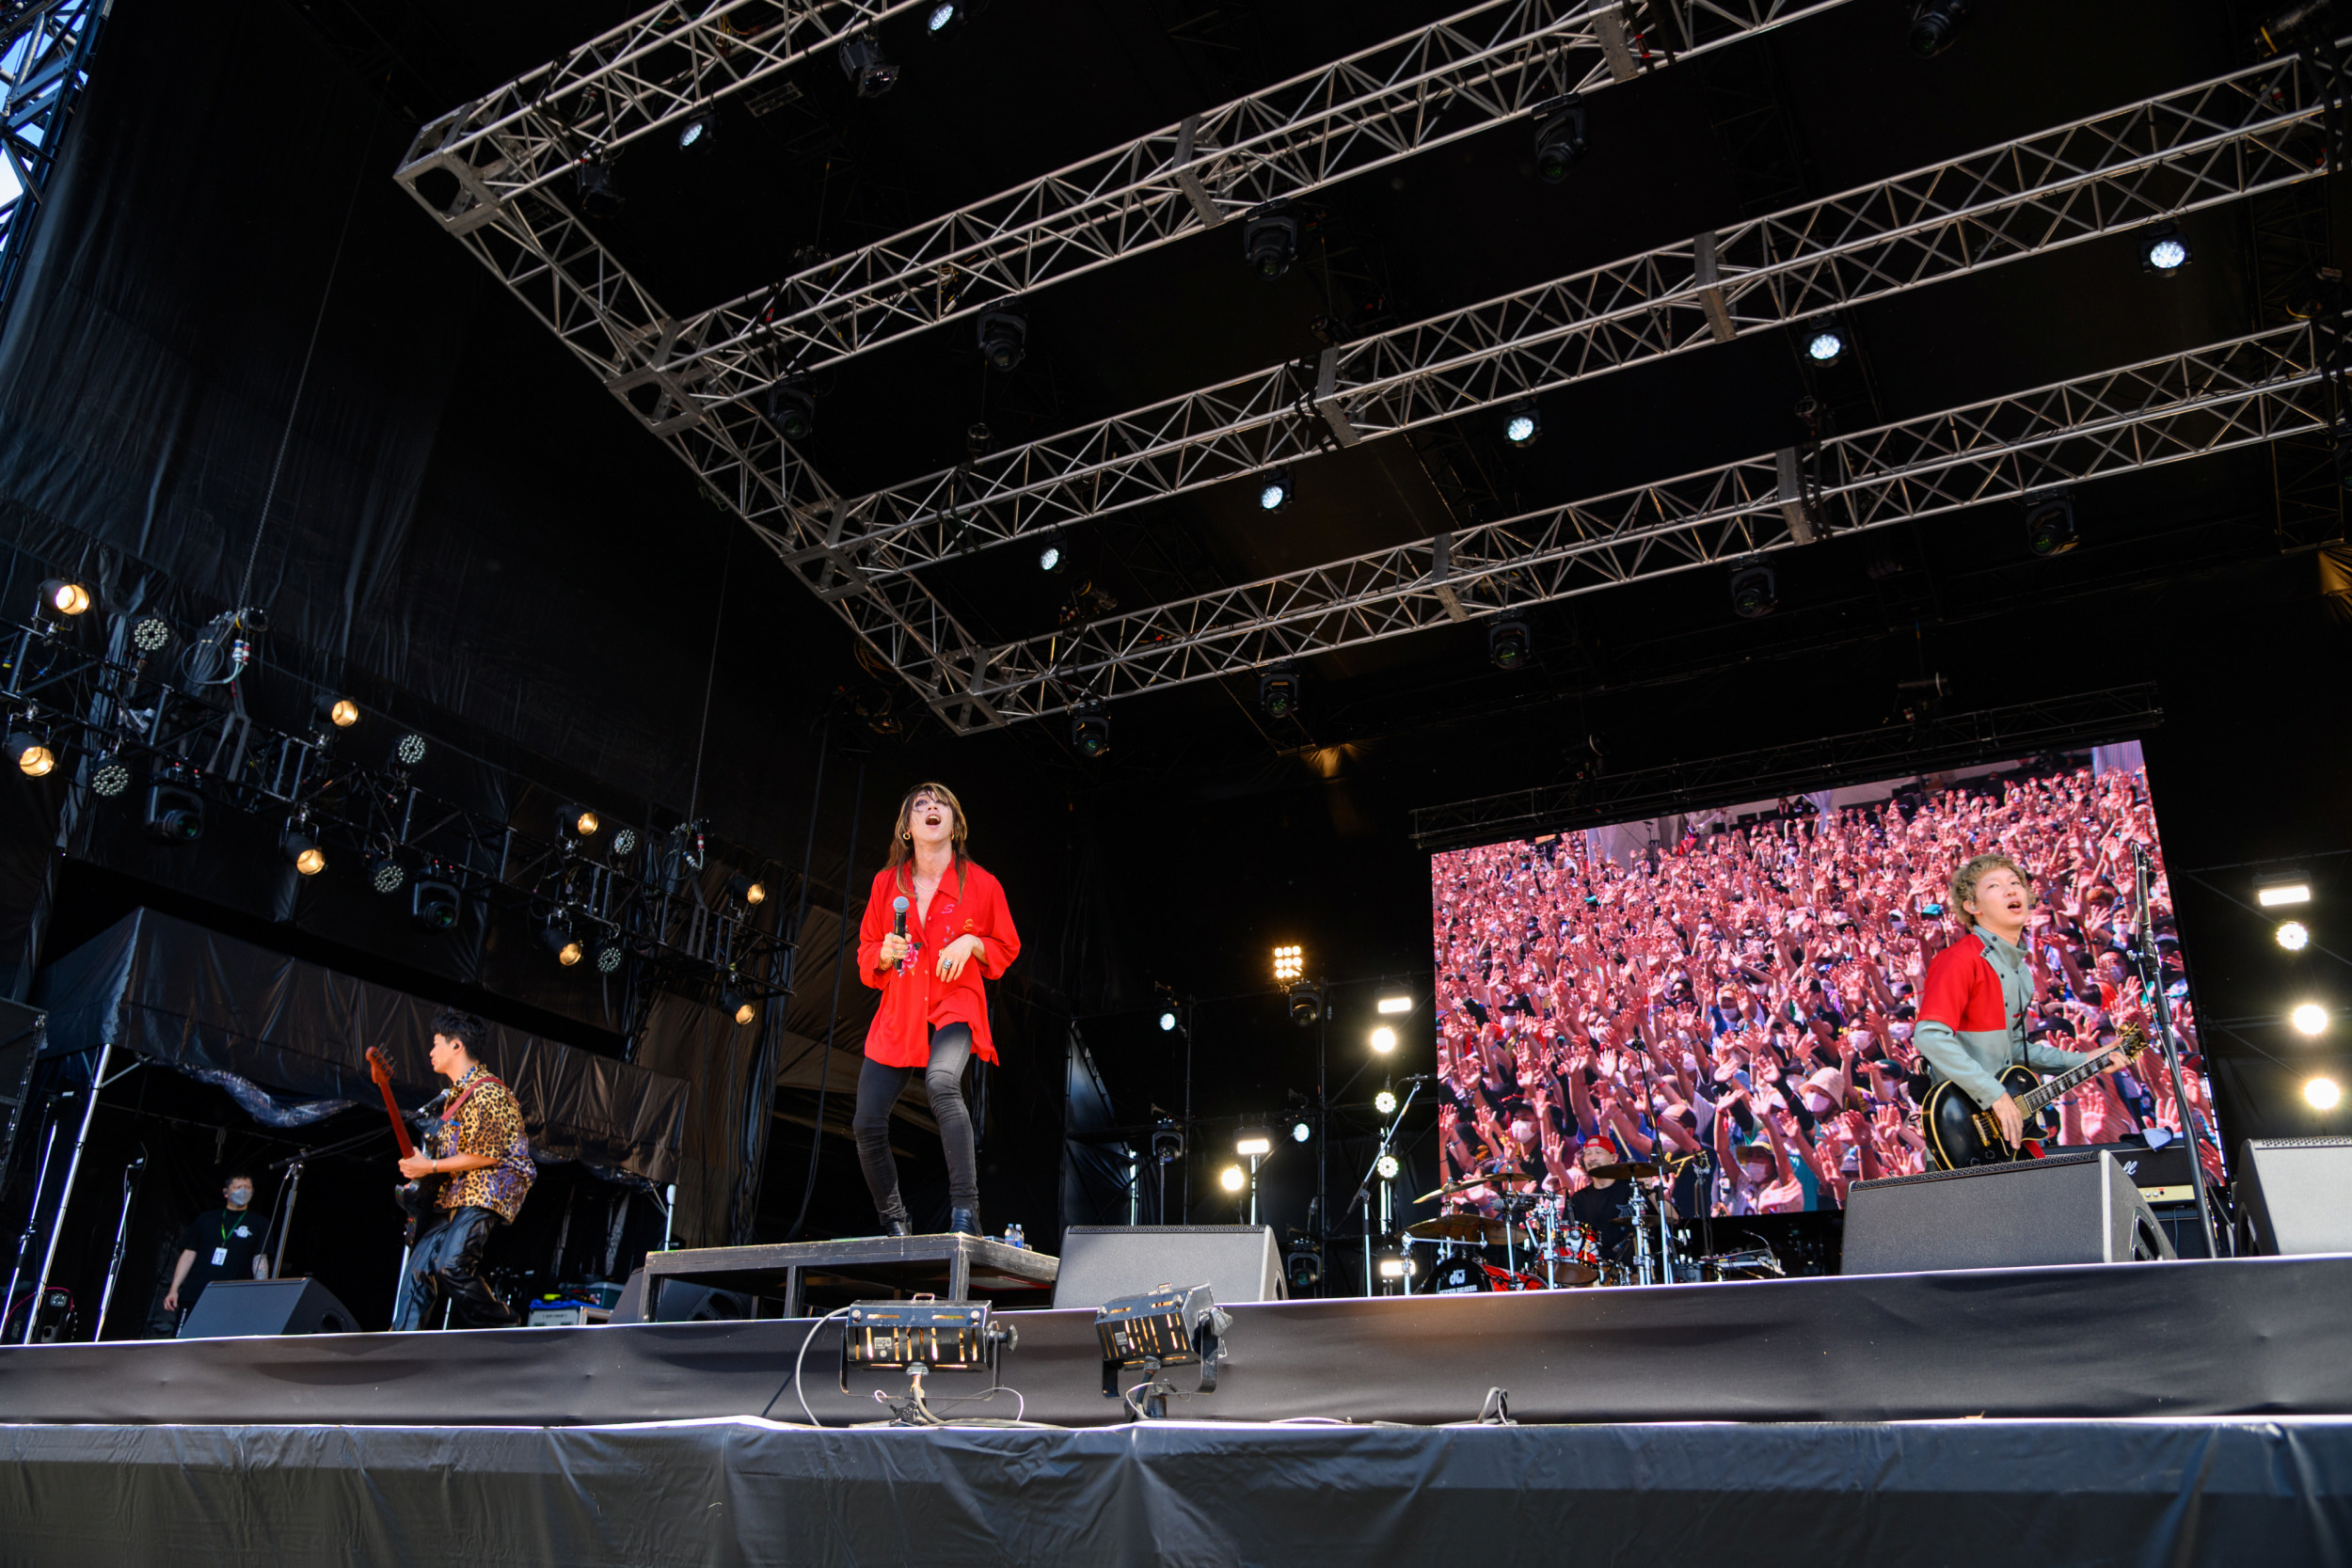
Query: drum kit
{"type": "Point", "coordinates": [1545, 1247]}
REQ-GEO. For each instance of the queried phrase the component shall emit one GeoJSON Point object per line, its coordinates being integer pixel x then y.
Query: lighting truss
{"type": "Point", "coordinates": [1946, 740]}
{"type": "Point", "coordinates": [1423, 89]}
{"type": "Point", "coordinates": [2241, 392]}
{"type": "Point", "coordinates": [2253, 129]}
{"type": "Point", "coordinates": [45, 50]}
{"type": "Point", "coordinates": [94, 707]}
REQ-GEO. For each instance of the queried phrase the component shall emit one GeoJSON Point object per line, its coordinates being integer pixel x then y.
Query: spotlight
{"type": "Point", "coordinates": [736, 1006]}
{"type": "Point", "coordinates": [1825, 347]}
{"type": "Point", "coordinates": [1507, 641]}
{"type": "Point", "coordinates": [2276, 892]}
{"type": "Point", "coordinates": [2294, 935]}
{"type": "Point", "coordinates": [1301, 1132]}
{"type": "Point", "coordinates": [2163, 251]}
{"type": "Point", "coordinates": [1167, 1022]}
{"type": "Point", "coordinates": [31, 754]}
{"type": "Point", "coordinates": [624, 841]}
{"type": "Point", "coordinates": [1521, 424]}
{"type": "Point", "coordinates": [700, 133]}
{"type": "Point", "coordinates": [609, 951]}
{"type": "Point", "coordinates": [1396, 1005]}
{"type": "Point", "coordinates": [341, 712]}
{"type": "Point", "coordinates": [581, 821]}
{"type": "Point", "coordinates": [409, 749]}
{"type": "Point", "coordinates": [1306, 1004]}
{"type": "Point", "coordinates": [2050, 526]}
{"type": "Point", "coordinates": [600, 189]}
{"type": "Point", "coordinates": [941, 17]}
{"type": "Point", "coordinates": [862, 62]}
{"type": "Point", "coordinates": [1935, 22]}
{"type": "Point", "coordinates": [1269, 238]}
{"type": "Point", "coordinates": [1278, 691]}
{"type": "Point", "coordinates": [64, 597]}
{"type": "Point", "coordinates": [2323, 1093]}
{"type": "Point", "coordinates": [150, 634]}
{"type": "Point", "coordinates": [1384, 1039]}
{"type": "Point", "coordinates": [1090, 729]}
{"type": "Point", "coordinates": [1253, 1143]}
{"type": "Point", "coordinates": [174, 815]}
{"type": "Point", "coordinates": [385, 873]}
{"type": "Point", "coordinates": [1289, 963]}
{"type": "Point", "coordinates": [1393, 1268]}
{"type": "Point", "coordinates": [110, 779]}
{"type": "Point", "coordinates": [1388, 1167]}
{"type": "Point", "coordinates": [304, 850]}
{"type": "Point", "coordinates": [1755, 593]}
{"type": "Point", "coordinates": [1559, 138]}
{"type": "Point", "coordinates": [1053, 558]}
{"type": "Point", "coordinates": [792, 408]}
{"type": "Point", "coordinates": [2309, 1018]}
{"type": "Point", "coordinates": [1384, 1103]}
{"type": "Point", "coordinates": [563, 945]}
{"type": "Point", "coordinates": [1231, 1178]}
{"type": "Point", "coordinates": [1273, 491]}
{"type": "Point", "coordinates": [1004, 339]}
{"type": "Point", "coordinates": [750, 892]}
{"type": "Point", "coordinates": [433, 906]}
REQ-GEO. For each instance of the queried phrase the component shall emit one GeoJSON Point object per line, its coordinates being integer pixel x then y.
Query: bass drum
{"type": "Point", "coordinates": [1458, 1275]}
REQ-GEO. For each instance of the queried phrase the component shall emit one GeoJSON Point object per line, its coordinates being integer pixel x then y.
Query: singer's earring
{"type": "Point", "coordinates": [908, 836]}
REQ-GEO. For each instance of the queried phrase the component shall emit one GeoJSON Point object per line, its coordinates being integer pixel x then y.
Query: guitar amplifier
{"type": "Point", "coordinates": [2294, 1194]}
{"type": "Point", "coordinates": [2072, 1208]}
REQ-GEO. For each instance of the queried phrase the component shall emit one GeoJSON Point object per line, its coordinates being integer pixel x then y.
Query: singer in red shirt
{"type": "Point", "coordinates": [933, 1016]}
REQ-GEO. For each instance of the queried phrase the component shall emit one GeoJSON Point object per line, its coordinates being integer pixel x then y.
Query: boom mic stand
{"type": "Point", "coordinates": [1363, 1190]}
{"type": "Point", "coordinates": [2150, 967]}
{"type": "Point", "coordinates": [32, 1219]}
{"type": "Point", "coordinates": [122, 1230]}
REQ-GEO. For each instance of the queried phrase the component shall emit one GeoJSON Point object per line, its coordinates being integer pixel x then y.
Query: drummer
{"type": "Point", "coordinates": [1604, 1202]}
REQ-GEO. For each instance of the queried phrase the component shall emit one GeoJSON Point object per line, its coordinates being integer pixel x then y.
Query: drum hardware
{"type": "Point", "coordinates": [1508, 1178]}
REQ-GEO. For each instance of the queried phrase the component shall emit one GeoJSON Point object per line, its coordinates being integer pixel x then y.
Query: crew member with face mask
{"type": "Point", "coordinates": [221, 1244]}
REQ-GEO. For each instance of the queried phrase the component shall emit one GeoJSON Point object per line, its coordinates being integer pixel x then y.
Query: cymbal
{"type": "Point", "coordinates": [1628, 1170]}
{"type": "Point", "coordinates": [1459, 1227]}
{"type": "Point", "coordinates": [1508, 1178]}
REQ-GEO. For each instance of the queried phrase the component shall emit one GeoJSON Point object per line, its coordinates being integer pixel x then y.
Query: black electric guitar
{"type": "Point", "coordinates": [1959, 1133]}
{"type": "Point", "coordinates": [415, 1198]}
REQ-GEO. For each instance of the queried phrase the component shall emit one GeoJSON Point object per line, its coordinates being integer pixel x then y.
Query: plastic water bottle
{"type": "Point", "coordinates": [1013, 1237]}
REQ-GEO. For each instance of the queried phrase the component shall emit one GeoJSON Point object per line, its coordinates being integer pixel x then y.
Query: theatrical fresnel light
{"type": "Point", "coordinates": [301, 848]}
{"type": "Point", "coordinates": [31, 752]}
{"type": "Point", "coordinates": [62, 597]}
{"type": "Point", "coordinates": [566, 946]}
{"type": "Point", "coordinates": [341, 712]}
{"type": "Point", "coordinates": [750, 892]}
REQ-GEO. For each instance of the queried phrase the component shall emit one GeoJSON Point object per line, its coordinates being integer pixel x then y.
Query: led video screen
{"type": "Point", "coordinates": [1746, 982]}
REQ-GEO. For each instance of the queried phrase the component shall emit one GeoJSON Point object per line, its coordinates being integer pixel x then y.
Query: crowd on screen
{"type": "Point", "coordinates": [1749, 990]}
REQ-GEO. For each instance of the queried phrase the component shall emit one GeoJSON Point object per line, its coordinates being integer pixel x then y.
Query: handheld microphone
{"type": "Point", "coordinates": [899, 904]}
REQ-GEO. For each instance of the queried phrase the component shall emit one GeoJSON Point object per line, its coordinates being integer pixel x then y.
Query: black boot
{"type": "Point", "coordinates": [965, 1220]}
{"type": "Point", "coordinates": [897, 1226]}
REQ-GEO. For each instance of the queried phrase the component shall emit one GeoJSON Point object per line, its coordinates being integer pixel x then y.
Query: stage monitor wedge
{"type": "Point", "coordinates": [1105, 1262]}
{"type": "Point", "coordinates": [240, 1308]}
{"type": "Point", "coordinates": [2066, 1209]}
{"type": "Point", "coordinates": [2294, 1194]}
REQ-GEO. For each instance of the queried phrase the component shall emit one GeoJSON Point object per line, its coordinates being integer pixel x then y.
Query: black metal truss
{"type": "Point", "coordinates": [1936, 743]}
{"type": "Point", "coordinates": [45, 50]}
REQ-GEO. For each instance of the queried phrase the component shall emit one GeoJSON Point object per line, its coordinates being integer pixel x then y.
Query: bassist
{"type": "Point", "coordinates": [1973, 1007]}
{"type": "Point", "coordinates": [481, 1158]}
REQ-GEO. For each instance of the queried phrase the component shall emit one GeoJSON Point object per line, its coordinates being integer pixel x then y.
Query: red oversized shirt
{"type": "Point", "coordinates": [1962, 991]}
{"type": "Point", "coordinates": [913, 997]}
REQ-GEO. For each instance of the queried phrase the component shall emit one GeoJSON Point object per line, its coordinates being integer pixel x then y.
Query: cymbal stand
{"type": "Point", "coordinates": [1643, 1263]}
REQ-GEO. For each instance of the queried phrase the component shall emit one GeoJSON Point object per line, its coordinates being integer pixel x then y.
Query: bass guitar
{"type": "Point", "coordinates": [417, 1198]}
{"type": "Point", "coordinates": [1959, 1133]}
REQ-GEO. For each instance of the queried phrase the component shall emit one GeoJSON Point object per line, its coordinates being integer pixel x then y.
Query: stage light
{"type": "Point", "coordinates": [110, 779]}
{"type": "Point", "coordinates": [1289, 963]}
{"type": "Point", "coordinates": [1507, 641]}
{"type": "Point", "coordinates": [1825, 347]}
{"type": "Point", "coordinates": [1052, 558]}
{"type": "Point", "coordinates": [1269, 239]}
{"type": "Point", "coordinates": [1559, 138]}
{"type": "Point", "coordinates": [433, 906]}
{"type": "Point", "coordinates": [2309, 1018]}
{"type": "Point", "coordinates": [624, 841]}
{"type": "Point", "coordinates": [1755, 593]}
{"type": "Point", "coordinates": [409, 749]}
{"type": "Point", "coordinates": [1253, 1143]}
{"type": "Point", "coordinates": [150, 634]}
{"type": "Point", "coordinates": [1521, 424]}
{"type": "Point", "coordinates": [738, 1006]}
{"type": "Point", "coordinates": [2050, 526]}
{"type": "Point", "coordinates": [174, 815]}
{"type": "Point", "coordinates": [1233, 1178]}
{"type": "Point", "coordinates": [1393, 1268]}
{"type": "Point", "coordinates": [1385, 1102]}
{"type": "Point", "coordinates": [581, 821]}
{"type": "Point", "coordinates": [1935, 22]}
{"type": "Point", "coordinates": [921, 1337]}
{"type": "Point", "coordinates": [700, 133]}
{"type": "Point", "coordinates": [62, 597]}
{"type": "Point", "coordinates": [341, 712]}
{"type": "Point", "coordinates": [1300, 1132]}
{"type": "Point", "coordinates": [1090, 729]}
{"type": "Point", "coordinates": [2323, 1093]}
{"type": "Point", "coordinates": [1278, 691]}
{"type": "Point", "coordinates": [750, 892]}
{"type": "Point", "coordinates": [1275, 492]}
{"type": "Point", "coordinates": [2163, 251]}
{"type": "Point", "coordinates": [1004, 339]}
{"type": "Point", "coordinates": [609, 951]}
{"type": "Point", "coordinates": [385, 873]}
{"type": "Point", "coordinates": [2285, 891]}
{"type": "Point", "coordinates": [1384, 1039]}
{"type": "Point", "coordinates": [941, 17]}
{"type": "Point", "coordinates": [1388, 1167]}
{"type": "Point", "coordinates": [792, 408]}
{"type": "Point", "coordinates": [301, 848]}
{"type": "Point", "coordinates": [1306, 1004]}
{"type": "Point", "coordinates": [864, 63]}
{"type": "Point", "coordinates": [1396, 1005]}
{"type": "Point", "coordinates": [1167, 1022]}
{"type": "Point", "coordinates": [2294, 935]}
{"type": "Point", "coordinates": [1168, 1325]}
{"type": "Point", "coordinates": [600, 189]}
{"type": "Point", "coordinates": [563, 945]}
{"type": "Point", "coordinates": [31, 754]}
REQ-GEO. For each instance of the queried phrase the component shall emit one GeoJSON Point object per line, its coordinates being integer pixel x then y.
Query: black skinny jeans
{"type": "Point", "coordinates": [878, 1089]}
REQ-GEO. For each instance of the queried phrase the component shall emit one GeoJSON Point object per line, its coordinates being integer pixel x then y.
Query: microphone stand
{"type": "Point", "coordinates": [130, 1174]}
{"type": "Point", "coordinates": [2152, 978]}
{"type": "Point", "coordinates": [32, 1216]}
{"type": "Point", "coordinates": [1363, 1190]}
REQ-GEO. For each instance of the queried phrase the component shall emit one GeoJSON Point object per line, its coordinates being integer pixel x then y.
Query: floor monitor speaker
{"type": "Point", "coordinates": [1104, 1263]}
{"type": "Point", "coordinates": [2294, 1194]}
{"type": "Point", "coordinates": [239, 1309]}
{"type": "Point", "coordinates": [2067, 1209]}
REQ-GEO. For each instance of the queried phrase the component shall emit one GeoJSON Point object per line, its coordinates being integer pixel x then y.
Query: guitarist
{"type": "Point", "coordinates": [1973, 1007]}
{"type": "Point", "coordinates": [482, 1159]}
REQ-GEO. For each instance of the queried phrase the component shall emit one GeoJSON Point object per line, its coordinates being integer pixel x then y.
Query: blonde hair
{"type": "Point", "coordinates": [902, 840]}
{"type": "Point", "coordinates": [1964, 881]}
